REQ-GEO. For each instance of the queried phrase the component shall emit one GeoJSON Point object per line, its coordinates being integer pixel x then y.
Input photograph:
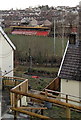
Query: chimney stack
{"type": "Point", "coordinates": [72, 39]}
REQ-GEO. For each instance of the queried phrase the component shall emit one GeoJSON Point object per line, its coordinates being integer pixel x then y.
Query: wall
{"type": "Point", "coordinates": [71, 87]}
{"type": "Point", "coordinates": [80, 89]}
{"type": "Point", "coordinates": [6, 56]}
{"type": "Point", "coordinates": [0, 51]}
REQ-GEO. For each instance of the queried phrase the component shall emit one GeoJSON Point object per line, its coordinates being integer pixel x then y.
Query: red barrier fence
{"type": "Point", "coordinates": [29, 32]}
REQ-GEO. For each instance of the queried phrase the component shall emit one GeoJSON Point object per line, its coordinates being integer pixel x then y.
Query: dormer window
{"type": "Point", "coordinates": [72, 39]}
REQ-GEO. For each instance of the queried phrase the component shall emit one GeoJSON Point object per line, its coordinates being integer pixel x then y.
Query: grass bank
{"type": "Point", "coordinates": [38, 45]}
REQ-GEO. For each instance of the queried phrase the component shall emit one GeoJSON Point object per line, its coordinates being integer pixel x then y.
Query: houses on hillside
{"type": "Point", "coordinates": [40, 13]}
{"type": "Point", "coordinates": [6, 54]}
{"type": "Point", "coordinates": [33, 22]}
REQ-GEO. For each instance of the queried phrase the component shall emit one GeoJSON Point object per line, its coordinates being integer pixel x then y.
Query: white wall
{"type": "Point", "coordinates": [80, 89]}
{"type": "Point", "coordinates": [0, 51]}
{"type": "Point", "coordinates": [6, 56]}
{"type": "Point", "coordinates": [71, 87]}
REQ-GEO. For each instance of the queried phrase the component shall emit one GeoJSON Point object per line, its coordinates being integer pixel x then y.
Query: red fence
{"type": "Point", "coordinates": [29, 32]}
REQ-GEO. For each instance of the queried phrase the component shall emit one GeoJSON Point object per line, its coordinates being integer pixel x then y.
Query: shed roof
{"type": "Point", "coordinates": [7, 38]}
{"type": "Point", "coordinates": [71, 63]}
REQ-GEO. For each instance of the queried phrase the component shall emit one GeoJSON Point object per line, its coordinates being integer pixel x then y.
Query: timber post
{"type": "Point", "coordinates": [15, 104]}
{"type": "Point", "coordinates": [20, 96]}
{"type": "Point", "coordinates": [66, 98]}
{"type": "Point", "coordinates": [46, 93]}
{"type": "Point", "coordinates": [68, 116]}
{"type": "Point", "coordinates": [41, 113]}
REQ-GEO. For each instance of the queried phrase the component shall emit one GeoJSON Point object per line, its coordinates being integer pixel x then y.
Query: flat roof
{"type": "Point", "coordinates": [29, 27]}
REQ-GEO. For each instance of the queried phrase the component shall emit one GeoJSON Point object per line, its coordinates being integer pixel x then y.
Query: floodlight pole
{"type": "Point", "coordinates": [54, 38]}
{"type": "Point", "coordinates": [62, 35]}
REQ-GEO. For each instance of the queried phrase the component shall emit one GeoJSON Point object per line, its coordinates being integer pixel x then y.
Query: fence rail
{"type": "Point", "coordinates": [11, 81]}
{"type": "Point", "coordinates": [44, 98]}
{"type": "Point", "coordinates": [66, 96]}
{"type": "Point", "coordinates": [20, 93]}
{"type": "Point", "coordinates": [22, 87]}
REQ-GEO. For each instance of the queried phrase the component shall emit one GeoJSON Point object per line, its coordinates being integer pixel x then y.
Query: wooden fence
{"type": "Point", "coordinates": [11, 81]}
{"type": "Point", "coordinates": [22, 87]}
{"type": "Point", "coordinates": [66, 97]}
{"type": "Point", "coordinates": [16, 102]}
{"type": "Point", "coordinates": [54, 85]}
{"type": "Point", "coordinates": [46, 97]}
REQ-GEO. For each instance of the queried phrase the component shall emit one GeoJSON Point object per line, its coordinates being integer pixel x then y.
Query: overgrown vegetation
{"type": "Point", "coordinates": [39, 45]}
{"type": "Point", "coordinates": [41, 49]}
{"type": "Point", "coordinates": [43, 71]}
{"type": "Point", "coordinates": [42, 80]}
{"type": "Point", "coordinates": [60, 113]}
{"type": "Point", "coordinates": [44, 62]}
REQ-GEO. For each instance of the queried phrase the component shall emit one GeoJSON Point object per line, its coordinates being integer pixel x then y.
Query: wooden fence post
{"type": "Point", "coordinates": [59, 97]}
{"type": "Point", "coordinates": [66, 98]}
{"type": "Point", "coordinates": [68, 115]}
{"type": "Point", "coordinates": [41, 113]}
{"type": "Point", "coordinates": [20, 96]}
{"type": "Point", "coordinates": [46, 93]}
{"type": "Point", "coordinates": [15, 104]}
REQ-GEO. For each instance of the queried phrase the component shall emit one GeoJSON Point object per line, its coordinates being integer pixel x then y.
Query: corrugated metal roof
{"type": "Point", "coordinates": [7, 38]}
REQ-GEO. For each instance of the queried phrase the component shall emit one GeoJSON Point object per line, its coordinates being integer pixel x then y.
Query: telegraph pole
{"type": "Point", "coordinates": [54, 39]}
{"type": "Point", "coordinates": [62, 37]}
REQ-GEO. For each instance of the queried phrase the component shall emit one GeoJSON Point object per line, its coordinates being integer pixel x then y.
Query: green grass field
{"type": "Point", "coordinates": [51, 69]}
{"type": "Point", "coordinates": [38, 45]}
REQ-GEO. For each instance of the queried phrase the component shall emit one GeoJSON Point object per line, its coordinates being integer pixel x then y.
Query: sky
{"type": "Point", "coordinates": [22, 4]}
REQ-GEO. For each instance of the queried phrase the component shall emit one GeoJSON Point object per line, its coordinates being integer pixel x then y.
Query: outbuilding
{"type": "Point", "coordinates": [70, 69]}
{"type": "Point", "coordinates": [6, 54]}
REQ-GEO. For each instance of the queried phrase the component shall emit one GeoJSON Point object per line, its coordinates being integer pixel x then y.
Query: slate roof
{"type": "Point", "coordinates": [71, 64]}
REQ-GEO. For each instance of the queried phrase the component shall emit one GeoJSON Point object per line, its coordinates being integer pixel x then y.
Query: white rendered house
{"type": "Point", "coordinates": [70, 69]}
{"type": "Point", "coordinates": [6, 54]}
